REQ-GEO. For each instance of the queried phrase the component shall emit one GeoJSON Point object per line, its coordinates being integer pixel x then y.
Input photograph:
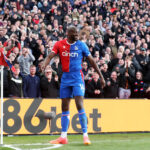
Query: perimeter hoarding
{"type": "Point", "coordinates": [21, 116]}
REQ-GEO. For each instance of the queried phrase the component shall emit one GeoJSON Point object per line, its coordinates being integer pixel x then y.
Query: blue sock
{"type": "Point", "coordinates": [83, 120]}
{"type": "Point", "coordinates": [65, 121]}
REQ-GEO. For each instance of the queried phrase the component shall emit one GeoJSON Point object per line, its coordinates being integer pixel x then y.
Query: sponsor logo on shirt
{"type": "Point", "coordinates": [70, 54]}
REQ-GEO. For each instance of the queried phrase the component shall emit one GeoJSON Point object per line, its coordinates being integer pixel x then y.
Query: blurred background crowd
{"type": "Point", "coordinates": [117, 33]}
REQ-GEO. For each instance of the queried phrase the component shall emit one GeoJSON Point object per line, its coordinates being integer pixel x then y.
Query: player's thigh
{"type": "Point", "coordinates": [79, 90]}
{"type": "Point", "coordinates": [66, 92]}
{"type": "Point", "coordinates": [65, 104]}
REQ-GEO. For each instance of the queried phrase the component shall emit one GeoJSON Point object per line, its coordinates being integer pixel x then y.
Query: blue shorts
{"type": "Point", "coordinates": [72, 84]}
{"type": "Point", "coordinates": [71, 91]}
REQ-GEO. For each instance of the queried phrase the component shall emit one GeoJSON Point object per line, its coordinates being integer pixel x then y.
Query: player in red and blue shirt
{"type": "Point", "coordinates": [71, 56]}
{"type": "Point", "coordinates": [71, 52]}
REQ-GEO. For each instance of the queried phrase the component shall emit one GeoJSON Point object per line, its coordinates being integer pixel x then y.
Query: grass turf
{"type": "Point", "coordinates": [136, 141]}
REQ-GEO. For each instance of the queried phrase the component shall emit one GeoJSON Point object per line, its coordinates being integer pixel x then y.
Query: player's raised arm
{"type": "Point", "coordinates": [95, 66]}
{"type": "Point", "coordinates": [48, 59]}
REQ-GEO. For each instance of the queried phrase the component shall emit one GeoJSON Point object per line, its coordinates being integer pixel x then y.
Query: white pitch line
{"type": "Point", "coordinates": [53, 146]}
{"type": "Point", "coordinates": [10, 146]}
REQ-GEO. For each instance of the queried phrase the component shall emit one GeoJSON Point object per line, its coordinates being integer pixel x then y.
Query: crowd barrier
{"type": "Point", "coordinates": [21, 116]}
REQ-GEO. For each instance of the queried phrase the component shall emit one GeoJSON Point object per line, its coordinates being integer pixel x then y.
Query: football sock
{"type": "Point", "coordinates": [83, 121]}
{"type": "Point", "coordinates": [65, 123]}
{"type": "Point", "coordinates": [63, 134]}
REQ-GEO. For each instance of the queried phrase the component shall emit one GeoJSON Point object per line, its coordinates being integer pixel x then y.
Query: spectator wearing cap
{"type": "Point", "coordinates": [49, 85]}
{"type": "Point", "coordinates": [31, 84]}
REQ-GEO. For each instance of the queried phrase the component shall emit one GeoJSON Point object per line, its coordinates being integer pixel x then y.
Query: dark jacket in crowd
{"type": "Point", "coordinates": [6, 84]}
{"type": "Point", "coordinates": [111, 91]}
{"type": "Point", "coordinates": [15, 86]}
{"type": "Point", "coordinates": [31, 86]}
{"type": "Point", "coordinates": [106, 75]}
{"type": "Point", "coordinates": [57, 69]}
{"type": "Point", "coordinates": [92, 86]}
{"type": "Point", "coordinates": [49, 89]}
{"type": "Point", "coordinates": [138, 89]}
{"type": "Point", "coordinates": [147, 73]}
{"type": "Point", "coordinates": [124, 82]}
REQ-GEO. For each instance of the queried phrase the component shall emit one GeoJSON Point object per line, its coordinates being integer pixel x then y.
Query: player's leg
{"type": "Point", "coordinates": [82, 114]}
{"type": "Point", "coordinates": [65, 118]}
{"type": "Point", "coordinates": [79, 93]}
{"type": "Point", "coordinates": [65, 94]}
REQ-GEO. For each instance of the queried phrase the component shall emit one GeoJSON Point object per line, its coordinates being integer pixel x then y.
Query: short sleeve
{"type": "Point", "coordinates": [56, 48]}
{"type": "Point", "coordinates": [85, 50]}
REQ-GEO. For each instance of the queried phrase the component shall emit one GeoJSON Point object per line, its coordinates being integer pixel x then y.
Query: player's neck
{"type": "Point", "coordinates": [70, 42]}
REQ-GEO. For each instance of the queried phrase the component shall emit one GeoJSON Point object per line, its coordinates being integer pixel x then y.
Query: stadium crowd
{"type": "Point", "coordinates": [117, 33]}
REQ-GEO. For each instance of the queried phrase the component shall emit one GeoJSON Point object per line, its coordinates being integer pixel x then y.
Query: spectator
{"type": "Point", "coordinates": [31, 84]}
{"type": "Point", "coordinates": [15, 83]}
{"type": "Point", "coordinates": [112, 86]}
{"type": "Point", "coordinates": [126, 72]}
{"type": "Point", "coordinates": [25, 60]}
{"type": "Point", "coordinates": [94, 87]}
{"type": "Point", "coordinates": [138, 86]}
{"type": "Point", "coordinates": [49, 86]}
{"type": "Point", "coordinates": [107, 27]}
{"type": "Point", "coordinates": [143, 58]}
{"type": "Point", "coordinates": [85, 68]}
{"type": "Point", "coordinates": [105, 72]}
{"type": "Point", "coordinates": [56, 66]}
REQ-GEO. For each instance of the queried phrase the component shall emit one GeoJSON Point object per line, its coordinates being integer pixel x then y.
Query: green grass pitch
{"type": "Point", "coordinates": [136, 141]}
